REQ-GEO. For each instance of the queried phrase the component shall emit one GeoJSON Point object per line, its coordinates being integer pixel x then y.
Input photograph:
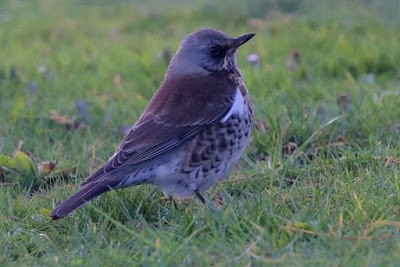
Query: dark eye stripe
{"type": "Point", "coordinates": [216, 51]}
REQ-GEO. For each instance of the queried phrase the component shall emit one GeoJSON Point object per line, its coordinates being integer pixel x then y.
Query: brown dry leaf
{"type": "Point", "coordinates": [158, 243]}
{"type": "Point", "coordinates": [299, 227]}
{"type": "Point", "coordinates": [6, 184]}
{"type": "Point", "coordinates": [257, 23]}
{"type": "Point", "coordinates": [377, 224]}
{"type": "Point", "coordinates": [388, 160]}
{"type": "Point", "coordinates": [102, 97]}
{"type": "Point", "coordinates": [68, 122]}
{"type": "Point", "coordinates": [45, 168]}
{"type": "Point", "coordinates": [218, 201]}
{"type": "Point", "coordinates": [60, 119]}
{"type": "Point", "coordinates": [117, 80]}
{"type": "Point", "coordinates": [261, 126]}
{"type": "Point", "coordinates": [20, 144]}
{"type": "Point", "coordinates": [339, 142]}
{"type": "Point", "coordinates": [293, 229]}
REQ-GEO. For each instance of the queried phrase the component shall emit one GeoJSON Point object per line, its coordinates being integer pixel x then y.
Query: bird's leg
{"type": "Point", "coordinates": [203, 200]}
{"type": "Point", "coordinates": [173, 201]}
{"type": "Point", "coordinates": [200, 196]}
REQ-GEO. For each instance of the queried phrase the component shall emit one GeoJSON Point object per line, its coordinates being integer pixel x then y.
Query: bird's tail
{"type": "Point", "coordinates": [84, 195]}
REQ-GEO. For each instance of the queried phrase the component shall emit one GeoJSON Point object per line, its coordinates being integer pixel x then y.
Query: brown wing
{"type": "Point", "coordinates": [177, 112]}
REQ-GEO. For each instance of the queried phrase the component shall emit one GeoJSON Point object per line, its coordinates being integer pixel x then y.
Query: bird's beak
{"type": "Point", "coordinates": [242, 40]}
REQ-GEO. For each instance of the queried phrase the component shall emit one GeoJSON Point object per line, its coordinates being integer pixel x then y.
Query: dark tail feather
{"type": "Point", "coordinates": [84, 195]}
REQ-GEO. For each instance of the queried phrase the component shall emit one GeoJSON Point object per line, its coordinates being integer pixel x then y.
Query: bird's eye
{"type": "Point", "coordinates": [215, 50]}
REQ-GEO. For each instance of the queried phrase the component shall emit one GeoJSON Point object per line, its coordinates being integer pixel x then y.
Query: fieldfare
{"type": "Point", "coordinates": [192, 132]}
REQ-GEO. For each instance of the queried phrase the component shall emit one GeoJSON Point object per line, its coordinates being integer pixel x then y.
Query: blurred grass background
{"type": "Point", "coordinates": [318, 184]}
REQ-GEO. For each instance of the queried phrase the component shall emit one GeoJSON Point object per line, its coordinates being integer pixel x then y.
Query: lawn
{"type": "Point", "coordinates": [319, 182]}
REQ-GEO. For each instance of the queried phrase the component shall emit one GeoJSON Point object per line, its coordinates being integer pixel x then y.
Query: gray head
{"type": "Point", "coordinates": [205, 51]}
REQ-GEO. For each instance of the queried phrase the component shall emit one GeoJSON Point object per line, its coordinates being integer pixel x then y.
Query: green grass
{"type": "Point", "coordinates": [334, 201]}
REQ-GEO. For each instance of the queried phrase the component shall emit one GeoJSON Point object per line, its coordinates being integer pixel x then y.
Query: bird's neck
{"type": "Point", "coordinates": [183, 68]}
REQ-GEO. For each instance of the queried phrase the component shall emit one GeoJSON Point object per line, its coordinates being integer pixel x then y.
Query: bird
{"type": "Point", "coordinates": [193, 131]}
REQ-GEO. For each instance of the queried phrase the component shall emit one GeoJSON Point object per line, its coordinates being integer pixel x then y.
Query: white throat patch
{"type": "Point", "coordinates": [237, 106]}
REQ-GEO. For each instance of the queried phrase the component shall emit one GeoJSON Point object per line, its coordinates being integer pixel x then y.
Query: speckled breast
{"type": "Point", "coordinates": [214, 152]}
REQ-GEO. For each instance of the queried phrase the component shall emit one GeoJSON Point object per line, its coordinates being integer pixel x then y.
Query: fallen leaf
{"type": "Point", "coordinates": [158, 243]}
{"type": "Point", "coordinates": [7, 161]}
{"type": "Point", "coordinates": [257, 23]}
{"type": "Point", "coordinates": [388, 160]}
{"type": "Point", "coordinates": [218, 201]}
{"type": "Point", "coordinates": [102, 97]}
{"type": "Point", "coordinates": [68, 122]}
{"type": "Point", "coordinates": [261, 126]}
{"type": "Point", "coordinates": [117, 80]}
{"type": "Point", "coordinates": [44, 211]}
{"type": "Point", "coordinates": [24, 164]}
{"type": "Point", "coordinates": [299, 227]}
{"type": "Point", "coordinates": [60, 119]}
{"type": "Point", "coordinates": [377, 224]}
{"type": "Point", "coordinates": [45, 168]}
{"type": "Point", "coordinates": [20, 144]}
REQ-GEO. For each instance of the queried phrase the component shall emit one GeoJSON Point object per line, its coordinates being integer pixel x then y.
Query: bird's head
{"type": "Point", "coordinates": [206, 51]}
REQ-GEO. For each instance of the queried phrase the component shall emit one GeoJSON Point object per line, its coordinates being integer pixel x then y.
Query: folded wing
{"type": "Point", "coordinates": [175, 114]}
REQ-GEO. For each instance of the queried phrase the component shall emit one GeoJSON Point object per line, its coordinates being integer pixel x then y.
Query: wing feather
{"type": "Point", "coordinates": [176, 113]}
